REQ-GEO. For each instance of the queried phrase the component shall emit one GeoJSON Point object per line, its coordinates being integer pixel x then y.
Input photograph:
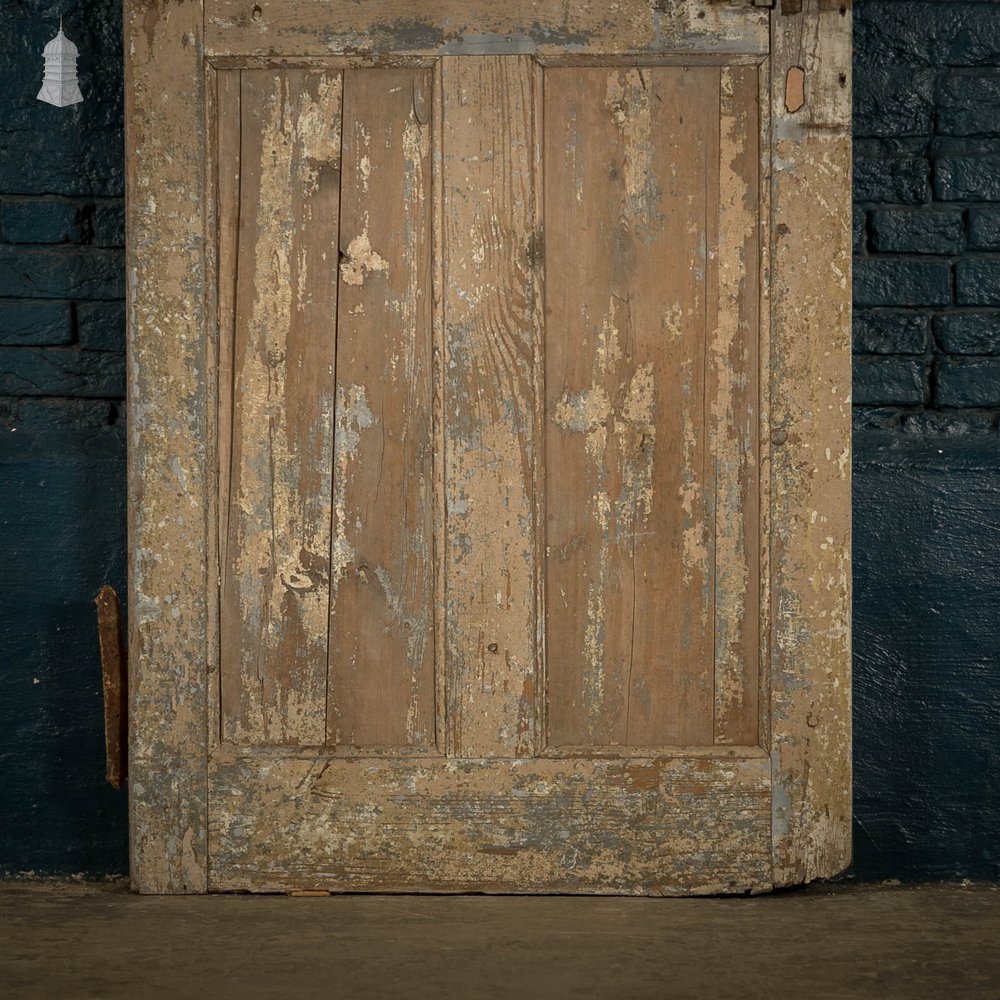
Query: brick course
{"type": "Point", "coordinates": [917, 231]}
{"type": "Point", "coordinates": [886, 332]}
{"type": "Point", "coordinates": [968, 332]}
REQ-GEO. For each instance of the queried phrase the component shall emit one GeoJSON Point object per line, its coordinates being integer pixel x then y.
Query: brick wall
{"type": "Point", "coordinates": [926, 448]}
{"type": "Point", "coordinates": [62, 447]}
{"type": "Point", "coordinates": [927, 215]}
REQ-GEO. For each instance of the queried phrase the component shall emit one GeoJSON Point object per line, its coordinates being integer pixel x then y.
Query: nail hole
{"type": "Point", "coordinates": [256, 14]}
{"type": "Point", "coordinates": [493, 647]}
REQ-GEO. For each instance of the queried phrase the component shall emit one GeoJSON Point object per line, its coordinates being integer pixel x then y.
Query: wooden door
{"type": "Point", "coordinates": [490, 461]}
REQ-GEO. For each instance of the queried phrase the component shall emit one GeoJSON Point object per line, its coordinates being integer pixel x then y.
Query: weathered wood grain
{"type": "Point", "coordinates": [169, 483]}
{"type": "Point", "coordinates": [810, 467]}
{"type": "Point", "coordinates": [492, 330]}
{"type": "Point", "coordinates": [276, 578]}
{"type": "Point", "coordinates": [631, 214]}
{"type": "Point", "coordinates": [477, 27]}
{"type": "Point", "coordinates": [636, 827]}
{"type": "Point", "coordinates": [733, 413]}
{"type": "Point", "coordinates": [381, 624]}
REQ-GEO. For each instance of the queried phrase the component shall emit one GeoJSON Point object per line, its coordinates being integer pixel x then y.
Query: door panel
{"type": "Point", "coordinates": [650, 390]}
{"type": "Point", "coordinates": [651, 400]}
{"type": "Point", "coordinates": [631, 175]}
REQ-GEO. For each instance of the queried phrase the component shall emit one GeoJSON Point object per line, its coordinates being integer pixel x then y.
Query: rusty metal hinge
{"type": "Point", "coordinates": [114, 669]}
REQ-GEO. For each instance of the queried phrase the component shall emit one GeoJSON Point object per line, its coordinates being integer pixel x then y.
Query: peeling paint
{"type": "Point", "coordinates": [274, 661]}
{"type": "Point", "coordinates": [360, 260]}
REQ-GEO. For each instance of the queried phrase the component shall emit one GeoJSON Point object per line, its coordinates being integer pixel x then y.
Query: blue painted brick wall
{"type": "Point", "coordinates": [926, 453]}
{"type": "Point", "coordinates": [62, 445]}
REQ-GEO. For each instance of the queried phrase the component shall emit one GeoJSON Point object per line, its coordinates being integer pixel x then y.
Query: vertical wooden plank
{"type": "Point", "coordinates": [275, 594]}
{"type": "Point", "coordinates": [381, 625]}
{"type": "Point", "coordinates": [810, 468]}
{"type": "Point", "coordinates": [734, 413]}
{"type": "Point", "coordinates": [630, 157]}
{"type": "Point", "coordinates": [169, 482]}
{"type": "Point", "coordinates": [492, 328]}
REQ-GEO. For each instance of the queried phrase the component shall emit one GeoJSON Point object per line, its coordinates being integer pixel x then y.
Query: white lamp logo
{"type": "Point", "coordinates": [59, 85]}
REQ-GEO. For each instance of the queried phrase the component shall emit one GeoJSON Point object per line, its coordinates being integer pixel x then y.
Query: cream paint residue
{"type": "Point", "coordinates": [609, 351]}
{"type": "Point", "coordinates": [636, 438]}
{"type": "Point", "coordinates": [671, 321]}
{"type": "Point", "coordinates": [586, 413]}
{"type": "Point", "coordinates": [694, 542]}
{"type": "Point", "coordinates": [353, 416]}
{"type": "Point", "coordinates": [592, 413]}
{"type": "Point", "coordinates": [316, 129]}
{"type": "Point", "coordinates": [416, 149]}
{"type": "Point", "coordinates": [361, 259]}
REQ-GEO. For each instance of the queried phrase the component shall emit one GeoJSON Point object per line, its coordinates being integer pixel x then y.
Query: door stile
{"type": "Point", "coordinates": [810, 385]}
{"type": "Point", "coordinates": [169, 472]}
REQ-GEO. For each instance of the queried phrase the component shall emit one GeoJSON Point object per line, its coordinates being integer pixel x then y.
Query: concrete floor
{"type": "Point", "coordinates": [74, 941]}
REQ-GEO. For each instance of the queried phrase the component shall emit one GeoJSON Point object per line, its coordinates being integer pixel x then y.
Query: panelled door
{"type": "Point", "coordinates": [490, 479]}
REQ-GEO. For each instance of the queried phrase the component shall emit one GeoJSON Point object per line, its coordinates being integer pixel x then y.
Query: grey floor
{"type": "Point", "coordinates": [85, 940]}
